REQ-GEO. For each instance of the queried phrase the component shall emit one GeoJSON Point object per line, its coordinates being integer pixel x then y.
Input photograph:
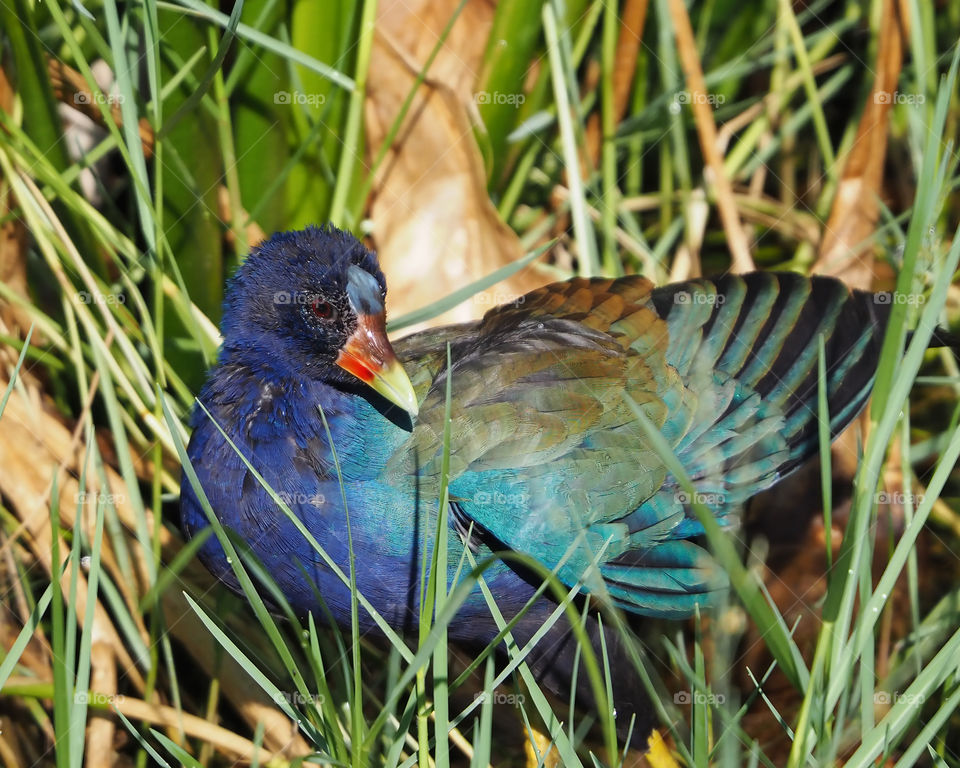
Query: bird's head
{"type": "Point", "coordinates": [310, 303]}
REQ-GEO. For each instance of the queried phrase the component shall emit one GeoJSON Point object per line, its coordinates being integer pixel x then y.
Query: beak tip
{"type": "Point", "coordinates": [407, 397]}
{"type": "Point", "coordinates": [399, 390]}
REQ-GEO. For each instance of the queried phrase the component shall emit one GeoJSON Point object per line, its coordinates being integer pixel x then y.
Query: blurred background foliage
{"type": "Point", "coordinates": [145, 147]}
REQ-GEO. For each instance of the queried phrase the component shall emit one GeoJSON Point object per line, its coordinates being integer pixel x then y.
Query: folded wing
{"type": "Point", "coordinates": [547, 458]}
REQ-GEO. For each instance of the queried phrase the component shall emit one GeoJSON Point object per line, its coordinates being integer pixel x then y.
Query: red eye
{"type": "Point", "coordinates": [322, 310]}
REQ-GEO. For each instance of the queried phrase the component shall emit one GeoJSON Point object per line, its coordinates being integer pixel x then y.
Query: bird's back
{"type": "Point", "coordinates": [547, 456]}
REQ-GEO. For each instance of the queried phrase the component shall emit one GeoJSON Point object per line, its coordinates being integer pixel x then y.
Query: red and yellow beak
{"type": "Point", "coordinates": [369, 356]}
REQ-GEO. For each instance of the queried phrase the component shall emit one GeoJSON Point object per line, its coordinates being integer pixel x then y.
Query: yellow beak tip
{"type": "Point", "coordinates": [394, 384]}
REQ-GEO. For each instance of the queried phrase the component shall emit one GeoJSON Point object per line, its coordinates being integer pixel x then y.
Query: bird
{"type": "Point", "coordinates": [546, 461]}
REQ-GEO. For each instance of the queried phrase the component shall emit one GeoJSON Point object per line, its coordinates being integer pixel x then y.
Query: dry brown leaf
{"type": "Point", "coordinates": [433, 223]}
{"type": "Point", "coordinates": [26, 463]}
{"type": "Point", "coordinates": [854, 212]}
{"type": "Point", "coordinates": [34, 442]}
{"type": "Point", "coordinates": [236, 747]}
{"type": "Point", "coordinates": [98, 749]}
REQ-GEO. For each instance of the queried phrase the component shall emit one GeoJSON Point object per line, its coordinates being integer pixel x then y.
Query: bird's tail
{"type": "Point", "coordinates": [747, 350]}
{"type": "Point", "coordinates": [760, 332]}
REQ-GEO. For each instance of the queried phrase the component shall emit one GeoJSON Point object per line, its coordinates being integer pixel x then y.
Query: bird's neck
{"type": "Point", "coordinates": [269, 406]}
{"type": "Point", "coordinates": [248, 378]}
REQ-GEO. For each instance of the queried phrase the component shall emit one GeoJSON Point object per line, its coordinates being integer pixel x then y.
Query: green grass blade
{"type": "Point", "coordinates": [12, 656]}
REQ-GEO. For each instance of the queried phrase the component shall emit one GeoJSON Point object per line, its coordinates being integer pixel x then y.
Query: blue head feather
{"type": "Point", "coordinates": [268, 314]}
